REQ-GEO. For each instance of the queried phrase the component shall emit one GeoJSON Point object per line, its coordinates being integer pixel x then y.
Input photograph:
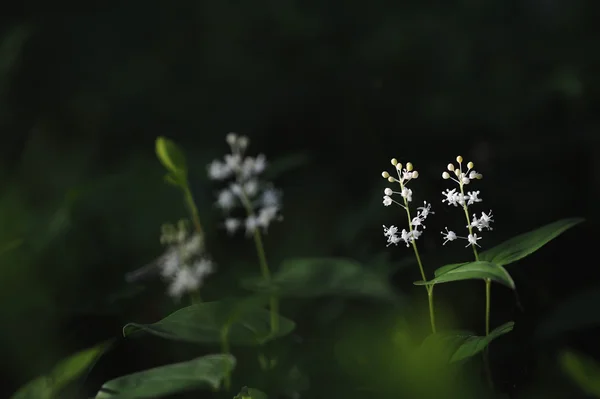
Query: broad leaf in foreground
{"type": "Point", "coordinates": [205, 323]}
{"type": "Point", "coordinates": [203, 372]}
{"type": "Point", "coordinates": [473, 270]}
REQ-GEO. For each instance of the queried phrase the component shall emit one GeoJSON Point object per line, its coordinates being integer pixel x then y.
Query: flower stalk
{"type": "Point", "coordinates": [409, 237]}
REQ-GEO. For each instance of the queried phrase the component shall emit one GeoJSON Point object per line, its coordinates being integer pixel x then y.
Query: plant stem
{"type": "Point", "coordinates": [189, 201]}
{"type": "Point", "coordinates": [264, 266]}
{"type": "Point", "coordinates": [225, 350]}
{"type": "Point", "coordinates": [488, 300]}
{"type": "Point", "coordinates": [421, 269]}
{"type": "Point", "coordinates": [488, 294]}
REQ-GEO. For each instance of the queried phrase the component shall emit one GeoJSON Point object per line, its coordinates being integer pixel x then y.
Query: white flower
{"type": "Point", "coordinates": [260, 164]}
{"type": "Point", "coordinates": [270, 197]}
{"type": "Point", "coordinates": [251, 188]}
{"type": "Point", "coordinates": [406, 194]}
{"type": "Point", "coordinates": [226, 199]}
{"type": "Point", "coordinates": [473, 197]}
{"type": "Point", "coordinates": [483, 222]}
{"type": "Point", "coordinates": [392, 230]}
{"type": "Point", "coordinates": [218, 170]}
{"type": "Point", "coordinates": [169, 263]}
{"type": "Point", "coordinates": [472, 238]}
{"type": "Point", "coordinates": [417, 221]}
{"type": "Point", "coordinates": [266, 215]}
{"type": "Point", "coordinates": [246, 187]}
{"type": "Point", "coordinates": [388, 191]}
{"type": "Point", "coordinates": [451, 197]}
{"type": "Point", "coordinates": [189, 278]}
{"type": "Point", "coordinates": [251, 223]}
{"type": "Point", "coordinates": [387, 201]}
{"type": "Point", "coordinates": [231, 225]}
{"type": "Point", "coordinates": [233, 161]}
{"type": "Point", "coordinates": [449, 236]}
{"type": "Point", "coordinates": [425, 210]}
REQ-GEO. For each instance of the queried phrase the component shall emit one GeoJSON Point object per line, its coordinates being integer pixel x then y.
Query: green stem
{"type": "Point", "coordinates": [189, 201]}
{"type": "Point", "coordinates": [225, 350]}
{"type": "Point", "coordinates": [488, 292]}
{"type": "Point", "coordinates": [421, 269]}
{"type": "Point", "coordinates": [264, 266]}
{"type": "Point", "coordinates": [488, 300]}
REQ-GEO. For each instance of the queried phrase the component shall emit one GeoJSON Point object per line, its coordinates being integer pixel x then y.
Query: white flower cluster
{"type": "Point", "coordinates": [261, 201]}
{"type": "Point", "coordinates": [405, 175]}
{"type": "Point", "coordinates": [413, 233]}
{"type": "Point", "coordinates": [184, 264]}
{"type": "Point", "coordinates": [459, 198]}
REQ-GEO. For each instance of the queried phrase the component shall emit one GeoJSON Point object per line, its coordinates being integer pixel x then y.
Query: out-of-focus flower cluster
{"type": "Point", "coordinates": [459, 198]}
{"type": "Point", "coordinates": [184, 264]}
{"type": "Point", "coordinates": [261, 201]}
{"type": "Point", "coordinates": [405, 175]}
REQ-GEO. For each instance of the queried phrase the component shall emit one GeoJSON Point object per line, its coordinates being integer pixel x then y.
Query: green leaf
{"type": "Point", "coordinates": [67, 370]}
{"type": "Point", "coordinates": [75, 365]}
{"type": "Point", "coordinates": [246, 324]}
{"type": "Point", "coordinates": [40, 388]}
{"type": "Point", "coordinates": [475, 344]}
{"type": "Point", "coordinates": [525, 244]}
{"type": "Point", "coordinates": [203, 372]}
{"type": "Point", "coordinates": [456, 346]}
{"type": "Point", "coordinates": [473, 270]}
{"type": "Point", "coordinates": [250, 393]}
{"type": "Point", "coordinates": [584, 371]}
{"type": "Point", "coordinates": [447, 268]}
{"type": "Point", "coordinates": [171, 156]}
{"type": "Point", "coordinates": [314, 277]}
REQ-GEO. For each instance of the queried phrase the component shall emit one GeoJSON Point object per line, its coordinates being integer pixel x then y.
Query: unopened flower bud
{"type": "Point", "coordinates": [394, 161]}
{"type": "Point", "coordinates": [231, 138]}
{"type": "Point", "coordinates": [459, 159]}
{"type": "Point", "coordinates": [445, 175]}
{"type": "Point", "coordinates": [470, 165]}
{"type": "Point", "coordinates": [243, 142]}
{"type": "Point", "coordinates": [388, 191]}
{"type": "Point", "coordinates": [391, 179]}
{"type": "Point", "coordinates": [385, 175]}
{"type": "Point", "coordinates": [451, 167]}
{"type": "Point", "coordinates": [415, 174]}
{"type": "Point", "coordinates": [457, 172]}
{"type": "Point", "coordinates": [409, 166]}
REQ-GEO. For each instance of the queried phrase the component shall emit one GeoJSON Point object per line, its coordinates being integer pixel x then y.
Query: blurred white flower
{"type": "Point", "coordinates": [259, 199]}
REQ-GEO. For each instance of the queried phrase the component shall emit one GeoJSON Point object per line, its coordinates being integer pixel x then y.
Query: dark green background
{"type": "Point", "coordinates": [340, 87]}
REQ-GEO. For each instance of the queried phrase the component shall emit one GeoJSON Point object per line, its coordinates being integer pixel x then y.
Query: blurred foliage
{"type": "Point", "coordinates": [333, 90]}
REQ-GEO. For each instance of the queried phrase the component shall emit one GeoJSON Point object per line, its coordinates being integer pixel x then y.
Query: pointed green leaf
{"type": "Point", "coordinates": [455, 346]}
{"type": "Point", "coordinates": [203, 372]}
{"type": "Point", "coordinates": [314, 277]}
{"type": "Point", "coordinates": [583, 370]}
{"type": "Point", "coordinates": [250, 393]}
{"type": "Point", "coordinates": [525, 244]}
{"type": "Point", "coordinates": [447, 268]}
{"type": "Point", "coordinates": [474, 270]}
{"type": "Point", "coordinates": [64, 372]}
{"type": "Point", "coordinates": [171, 156]}
{"type": "Point", "coordinates": [75, 365]}
{"type": "Point", "coordinates": [475, 344]}
{"type": "Point", "coordinates": [40, 388]}
{"type": "Point", "coordinates": [203, 323]}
